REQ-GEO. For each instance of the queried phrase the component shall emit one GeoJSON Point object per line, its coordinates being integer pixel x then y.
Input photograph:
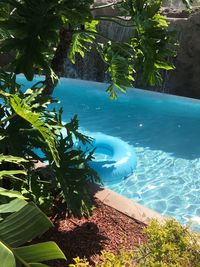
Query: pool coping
{"type": "Point", "coordinates": [120, 203]}
{"type": "Point", "coordinates": [125, 205]}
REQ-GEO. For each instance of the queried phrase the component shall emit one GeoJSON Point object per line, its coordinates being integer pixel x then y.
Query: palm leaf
{"type": "Point", "coordinates": [12, 159]}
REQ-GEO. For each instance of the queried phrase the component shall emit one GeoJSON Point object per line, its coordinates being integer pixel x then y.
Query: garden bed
{"type": "Point", "coordinates": [107, 229]}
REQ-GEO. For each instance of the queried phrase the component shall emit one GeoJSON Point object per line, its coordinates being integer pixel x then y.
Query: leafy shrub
{"type": "Point", "coordinates": [167, 245]}
{"type": "Point", "coordinates": [30, 129]}
{"type": "Point", "coordinates": [108, 259]}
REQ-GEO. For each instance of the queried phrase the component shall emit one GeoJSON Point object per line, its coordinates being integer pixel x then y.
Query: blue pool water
{"type": "Point", "coordinates": [165, 132]}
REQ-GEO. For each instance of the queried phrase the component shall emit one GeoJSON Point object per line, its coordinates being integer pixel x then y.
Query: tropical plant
{"type": "Point", "coordinates": [31, 131]}
{"type": "Point", "coordinates": [42, 33]}
{"type": "Point", "coordinates": [167, 245]}
{"type": "Point", "coordinates": [39, 35]}
{"type": "Point", "coordinates": [20, 222]}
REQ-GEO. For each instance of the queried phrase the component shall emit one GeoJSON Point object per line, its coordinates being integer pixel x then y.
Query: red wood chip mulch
{"type": "Point", "coordinates": [106, 229]}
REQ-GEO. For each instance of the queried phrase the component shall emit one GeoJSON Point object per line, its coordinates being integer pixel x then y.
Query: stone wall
{"type": "Point", "coordinates": [185, 79]}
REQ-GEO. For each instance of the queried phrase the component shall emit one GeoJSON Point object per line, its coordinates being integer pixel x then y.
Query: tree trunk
{"type": "Point", "coordinates": [59, 59]}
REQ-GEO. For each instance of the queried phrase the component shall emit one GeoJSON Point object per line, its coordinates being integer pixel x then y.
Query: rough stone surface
{"type": "Point", "coordinates": [185, 79]}
{"type": "Point", "coordinates": [127, 206]}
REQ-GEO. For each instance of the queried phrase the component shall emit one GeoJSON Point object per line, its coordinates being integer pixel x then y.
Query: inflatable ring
{"type": "Point", "coordinates": [114, 159]}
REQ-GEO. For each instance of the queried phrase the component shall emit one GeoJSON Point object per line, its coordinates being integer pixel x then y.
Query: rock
{"type": "Point", "coordinates": [185, 80]}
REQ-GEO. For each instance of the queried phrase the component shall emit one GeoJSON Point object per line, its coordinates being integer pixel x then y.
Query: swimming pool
{"type": "Point", "coordinates": [163, 129]}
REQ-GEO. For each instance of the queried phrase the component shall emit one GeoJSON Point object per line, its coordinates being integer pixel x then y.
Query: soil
{"type": "Point", "coordinates": [107, 229]}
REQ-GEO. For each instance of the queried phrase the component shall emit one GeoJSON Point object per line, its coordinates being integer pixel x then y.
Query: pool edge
{"type": "Point", "coordinates": [126, 206]}
{"type": "Point", "coordinates": [120, 203]}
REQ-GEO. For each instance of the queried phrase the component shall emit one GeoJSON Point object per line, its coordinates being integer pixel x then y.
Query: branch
{"type": "Point", "coordinates": [94, 33]}
{"type": "Point", "coordinates": [7, 118]}
{"type": "Point", "coordinates": [106, 5]}
{"type": "Point", "coordinates": [59, 59]}
{"type": "Point", "coordinates": [99, 17]}
{"type": "Point", "coordinates": [113, 19]}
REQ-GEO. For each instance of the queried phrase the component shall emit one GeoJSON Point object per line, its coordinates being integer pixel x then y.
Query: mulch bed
{"type": "Point", "coordinates": [107, 229]}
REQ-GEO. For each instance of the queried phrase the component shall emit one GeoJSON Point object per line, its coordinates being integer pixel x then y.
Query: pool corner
{"type": "Point", "coordinates": [127, 206]}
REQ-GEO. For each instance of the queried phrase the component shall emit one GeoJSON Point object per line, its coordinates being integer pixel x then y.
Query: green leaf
{"type": "Point", "coordinates": [40, 252]}
{"type": "Point", "coordinates": [24, 225]}
{"type": "Point", "coordinates": [188, 3]}
{"type": "Point", "coordinates": [23, 110]}
{"type": "Point", "coordinates": [38, 265]}
{"type": "Point", "coordinates": [81, 43]}
{"type": "Point", "coordinates": [12, 174]}
{"type": "Point", "coordinates": [120, 60]}
{"type": "Point", "coordinates": [13, 206]}
{"type": "Point", "coordinates": [6, 255]}
{"type": "Point", "coordinates": [163, 65]}
{"type": "Point", "coordinates": [11, 193]}
{"type": "Point", "coordinates": [12, 159]}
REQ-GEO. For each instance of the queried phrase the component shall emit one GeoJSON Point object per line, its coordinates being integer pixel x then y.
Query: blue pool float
{"type": "Point", "coordinates": [114, 159]}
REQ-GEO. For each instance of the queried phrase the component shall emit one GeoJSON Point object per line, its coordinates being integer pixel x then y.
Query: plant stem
{"type": "Point", "coordinates": [95, 33]}
{"type": "Point", "coordinates": [114, 20]}
{"type": "Point", "coordinates": [7, 119]}
{"type": "Point", "coordinates": [99, 17]}
{"type": "Point", "coordinates": [59, 59]}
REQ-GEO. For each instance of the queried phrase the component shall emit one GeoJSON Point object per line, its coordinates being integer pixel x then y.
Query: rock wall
{"type": "Point", "coordinates": [185, 79]}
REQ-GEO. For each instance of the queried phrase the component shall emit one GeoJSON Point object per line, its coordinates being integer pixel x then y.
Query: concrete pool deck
{"type": "Point", "coordinates": [126, 206]}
